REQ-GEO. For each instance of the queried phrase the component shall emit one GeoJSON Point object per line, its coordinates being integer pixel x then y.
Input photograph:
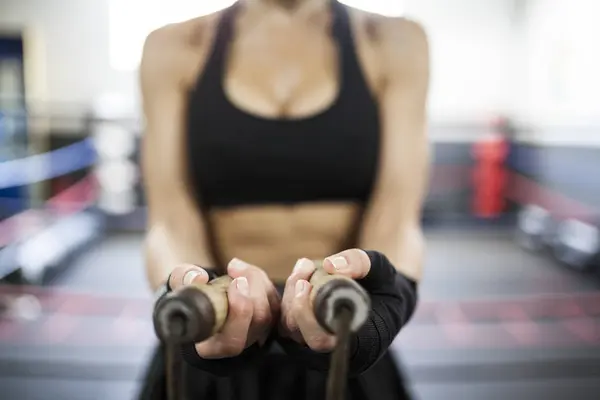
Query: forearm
{"type": "Point", "coordinates": [403, 244]}
{"type": "Point", "coordinates": [167, 247]}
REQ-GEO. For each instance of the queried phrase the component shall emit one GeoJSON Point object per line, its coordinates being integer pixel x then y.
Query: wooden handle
{"type": "Point", "coordinates": [192, 313]}
{"type": "Point", "coordinates": [331, 291]}
{"type": "Point", "coordinates": [320, 278]}
{"type": "Point", "coordinates": [216, 293]}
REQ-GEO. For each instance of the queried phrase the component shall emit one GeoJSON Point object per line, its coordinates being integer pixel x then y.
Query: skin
{"type": "Point", "coordinates": [394, 56]}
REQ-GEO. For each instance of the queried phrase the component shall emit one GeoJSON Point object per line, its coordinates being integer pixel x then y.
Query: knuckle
{"type": "Point", "coordinates": [250, 272]}
{"type": "Point", "coordinates": [290, 280]}
{"type": "Point", "coordinates": [290, 322]}
{"type": "Point", "coordinates": [262, 277]}
{"type": "Point", "coordinates": [296, 309]}
{"type": "Point", "coordinates": [319, 343]}
{"type": "Point", "coordinates": [240, 306]}
{"type": "Point", "coordinates": [262, 317]}
{"type": "Point", "coordinates": [300, 303]}
{"type": "Point", "coordinates": [284, 308]}
{"type": "Point", "coordinates": [234, 347]}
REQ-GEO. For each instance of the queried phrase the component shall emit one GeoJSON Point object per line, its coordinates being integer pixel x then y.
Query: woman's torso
{"type": "Point", "coordinates": [277, 70]}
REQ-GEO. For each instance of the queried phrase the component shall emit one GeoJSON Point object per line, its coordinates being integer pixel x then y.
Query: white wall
{"type": "Point", "coordinates": [473, 65]}
{"type": "Point", "coordinates": [560, 100]}
{"type": "Point", "coordinates": [563, 61]}
{"type": "Point", "coordinates": [472, 51]}
{"type": "Point", "coordinates": [73, 38]}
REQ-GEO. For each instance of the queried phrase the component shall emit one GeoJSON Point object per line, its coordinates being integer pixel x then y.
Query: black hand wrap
{"type": "Point", "coordinates": [393, 298]}
{"type": "Point", "coordinates": [222, 366]}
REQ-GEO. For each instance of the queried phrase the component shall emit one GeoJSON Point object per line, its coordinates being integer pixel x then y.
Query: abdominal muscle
{"type": "Point", "coordinates": [274, 237]}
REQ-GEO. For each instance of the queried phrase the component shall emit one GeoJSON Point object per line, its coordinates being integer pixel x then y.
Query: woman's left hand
{"type": "Point", "coordinates": [298, 321]}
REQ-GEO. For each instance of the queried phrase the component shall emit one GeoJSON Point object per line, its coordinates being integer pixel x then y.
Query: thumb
{"type": "Point", "coordinates": [187, 274]}
{"type": "Point", "coordinates": [353, 263]}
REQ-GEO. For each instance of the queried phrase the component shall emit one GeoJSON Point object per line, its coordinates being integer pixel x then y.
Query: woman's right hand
{"type": "Point", "coordinates": [253, 306]}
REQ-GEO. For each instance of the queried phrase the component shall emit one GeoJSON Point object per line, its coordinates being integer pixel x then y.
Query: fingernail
{"type": "Point", "coordinates": [238, 264]}
{"type": "Point", "coordinates": [339, 262]}
{"type": "Point", "coordinates": [189, 276]}
{"type": "Point", "coordinates": [300, 287]}
{"type": "Point", "coordinates": [242, 285]}
{"type": "Point", "coordinates": [299, 264]}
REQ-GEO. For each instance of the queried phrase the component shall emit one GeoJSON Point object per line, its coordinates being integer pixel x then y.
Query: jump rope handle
{"type": "Point", "coordinates": [193, 313]}
{"type": "Point", "coordinates": [332, 293]}
{"type": "Point", "coordinates": [341, 307]}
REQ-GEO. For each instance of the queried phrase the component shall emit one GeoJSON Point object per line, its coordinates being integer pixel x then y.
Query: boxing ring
{"type": "Point", "coordinates": [523, 322]}
{"type": "Point", "coordinates": [482, 320]}
{"type": "Point", "coordinates": [38, 238]}
{"type": "Point", "coordinates": [90, 178]}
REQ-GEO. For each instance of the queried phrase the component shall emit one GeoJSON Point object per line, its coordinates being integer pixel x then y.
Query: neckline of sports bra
{"type": "Point", "coordinates": [338, 27]}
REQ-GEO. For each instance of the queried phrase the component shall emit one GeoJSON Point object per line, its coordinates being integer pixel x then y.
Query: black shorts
{"type": "Point", "coordinates": [277, 378]}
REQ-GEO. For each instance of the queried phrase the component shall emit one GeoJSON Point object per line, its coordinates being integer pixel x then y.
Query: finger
{"type": "Point", "coordinates": [274, 299]}
{"type": "Point", "coordinates": [302, 270]}
{"type": "Point", "coordinates": [314, 336]}
{"type": "Point", "coordinates": [231, 340]}
{"type": "Point", "coordinates": [187, 274]}
{"type": "Point", "coordinates": [259, 287]}
{"type": "Point", "coordinates": [256, 277]}
{"type": "Point", "coordinates": [259, 284]}
{"type": "Point", "coordinates": [262, 317]}
{"type": "Point", "coordinates": [261, 305]}
{"type": "Point", "coordinates": [237, 268]}
{"type": "Point", "coordinates": [353, 263]}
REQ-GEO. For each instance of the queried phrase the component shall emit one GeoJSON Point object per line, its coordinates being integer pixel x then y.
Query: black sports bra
{"type": "Point", "coordinates": [236, 158]}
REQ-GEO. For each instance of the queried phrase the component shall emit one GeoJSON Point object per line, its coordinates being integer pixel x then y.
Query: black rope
{"type": "Point", "coordinates": [176, 329]}
{"type": "Point", "coordinates": [174, 372]}
{"type": "Point", "coordinates": [338, 370]}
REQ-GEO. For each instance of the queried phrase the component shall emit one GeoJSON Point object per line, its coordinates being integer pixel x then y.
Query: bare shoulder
{"type": "Point", "coordinates": [405, 49]}
{"type": "Point", "coordinates": [402, 31]}
{"type": "Point", "coordinates": [397, 39]}
{"type": "Point", "coordinates": [171, 49]}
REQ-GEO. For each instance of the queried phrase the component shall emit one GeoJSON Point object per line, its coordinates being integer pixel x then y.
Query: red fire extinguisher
{"type": "Point", "coordinates": [489, 172]}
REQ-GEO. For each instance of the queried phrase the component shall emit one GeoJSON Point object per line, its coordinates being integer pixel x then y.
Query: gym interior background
{"type": "Point", "coordinates": [510, 301]}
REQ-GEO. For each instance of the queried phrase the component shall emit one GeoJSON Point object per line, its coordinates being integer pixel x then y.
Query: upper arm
{"type": "Point", "coordinates": [164, 105]}
{"type": "Point", "coordinates": [404, 165]}
{"type": "Point", "coordinates": [393, 217]}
